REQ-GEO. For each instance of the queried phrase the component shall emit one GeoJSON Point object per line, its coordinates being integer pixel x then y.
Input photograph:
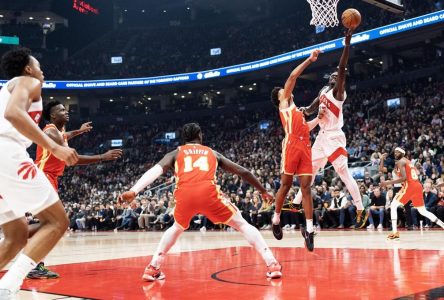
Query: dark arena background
{"type": "Point", "coordinates": [139, 70]}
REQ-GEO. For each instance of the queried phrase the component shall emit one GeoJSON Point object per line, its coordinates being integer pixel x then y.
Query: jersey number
{"type": "Point", "coordinates": [201, 163]}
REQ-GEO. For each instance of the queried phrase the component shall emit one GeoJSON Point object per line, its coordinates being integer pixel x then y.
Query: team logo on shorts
{"type": "Point", "coordinates": [27, 170]}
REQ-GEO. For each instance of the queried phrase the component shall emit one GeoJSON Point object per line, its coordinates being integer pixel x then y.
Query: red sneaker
{"type": "Point", "coordinates": [274, 271]}
{"type": "Point", "coordinates": [152, 274]}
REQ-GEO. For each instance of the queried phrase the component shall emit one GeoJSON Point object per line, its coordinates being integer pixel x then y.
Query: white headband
{"type": "Point", "coordinates": [400, 150]}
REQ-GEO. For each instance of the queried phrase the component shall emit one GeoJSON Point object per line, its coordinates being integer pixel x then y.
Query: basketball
{"type": "Point", "coordinates": [351, 18]}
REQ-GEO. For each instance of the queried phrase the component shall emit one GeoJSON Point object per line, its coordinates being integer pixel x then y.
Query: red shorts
{"type": "Point", "coordinates": [411, 191]}
{"type": "Point", "coordinates": [296, 156]}
{"type": "Point", "coordinates": [201, 199]}
{"type": "Point", "coordinates": [53, 179]}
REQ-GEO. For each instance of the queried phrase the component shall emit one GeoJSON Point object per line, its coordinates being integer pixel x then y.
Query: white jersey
{"type": "Point", "coordinates": [6, 128]}
{"type": "Point", "coordinates": [333, 120]}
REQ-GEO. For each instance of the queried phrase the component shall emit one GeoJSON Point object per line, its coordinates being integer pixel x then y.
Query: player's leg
{"type": "Point", "coordinates": [423, 211]}
{"type": "Point", "coordinates": [54, 223]}
{"type": "Point", "coordinates": [317, 164]}
{"type": "Point", "coordinates": [286, 183]}
{"type": "Point", "coordinates": [339, 161]}
{"type": "Point", "coordinates": [256, 240]}
{"type": "Point", "coordinates": [183, 214]}
{"type": "Point", "coordinates": [169, 238]}
{"type": "Point", "coordinates": [399, 198]}
{"type": "Point", "coordinates": [15, 237]}
{"type": "Point", "coordinates": [307, 203]}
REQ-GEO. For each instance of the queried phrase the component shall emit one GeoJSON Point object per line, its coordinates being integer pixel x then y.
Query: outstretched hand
{"type": "Point", "coordinates": [112, 154]}
{"type": "Point", "coordinates": [267, 197]}
{"type": "Point", "coordinates": [86, 127]}
{"type": "Point", "coordinates": [314, 55]}
{"type": "Point", "coordinates": [127, 197]}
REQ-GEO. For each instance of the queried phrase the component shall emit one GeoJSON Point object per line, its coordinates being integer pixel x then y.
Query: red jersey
{"type": "Point", "coordinates": [195, 163]}
{"type": "Point", "coordinates": [411, 173]}
{"type": "Point", "coordinates": [46, 161]}
{"type": "Point", "coordinates": [293, 121]}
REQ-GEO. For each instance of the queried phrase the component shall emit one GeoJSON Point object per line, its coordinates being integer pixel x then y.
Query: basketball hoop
{"type": "Point", "coordinates": [324, 12]}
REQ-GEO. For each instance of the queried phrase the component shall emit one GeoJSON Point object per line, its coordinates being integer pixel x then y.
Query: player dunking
{"type": "Point", "coordinates": [23, 187]}
{"type": "Point", "coordinates": [296, 151]}
{"type": "Point", "coordinates": [196, 192]}
{"type": "Point", "coordinates": [411, 190]}
{"type": "Point", "coordinates": [330, 142]}
{"type": "Point", "coordinates": [53, 167]}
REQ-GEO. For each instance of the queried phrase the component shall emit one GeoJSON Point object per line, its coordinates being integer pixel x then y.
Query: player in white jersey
{"type": "Point", "coordinates": [23, 187]}
{"type": "Point", "coordinates": [330, 143]}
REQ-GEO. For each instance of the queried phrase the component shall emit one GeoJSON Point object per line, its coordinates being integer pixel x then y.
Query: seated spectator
{"type": "Point", "coordinates": [336, 211]}
{"type": "Point", "coordinates": [377, 206]}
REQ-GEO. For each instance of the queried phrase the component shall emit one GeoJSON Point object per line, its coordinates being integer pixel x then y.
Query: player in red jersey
{"type": "Point", "coordinates": [411, 190]}
{"type": "Point", "coordinates": [24, 188]}
{"type": "Point", "coordinates": [296, 151]}
{"type": "Point", "coordinates": [196, 192]}
{"type": "Point", "coordinates": [58, 117]}
{"type": "Point", "coordinates": [53, 167]}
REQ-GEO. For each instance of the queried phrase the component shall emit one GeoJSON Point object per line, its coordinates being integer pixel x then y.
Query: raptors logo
{"type": "Point", "coordinates": [27, 170]}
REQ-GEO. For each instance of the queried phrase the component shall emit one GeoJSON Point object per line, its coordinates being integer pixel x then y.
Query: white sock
{"type": "Point", "coordinates": [253, 237]}
{"type": "Point", "coordinates": [394, 225]}
{"type": "Point", "coordinates": [167, 241]}
{"type": "Point", "coordinates": [276, 218]}
{"type": "Point", "coordinates": [423, 211]}
{"type": "Point", "coordinates": [309, 225]}
{"type": "Point", "coordinates": [13, 279]}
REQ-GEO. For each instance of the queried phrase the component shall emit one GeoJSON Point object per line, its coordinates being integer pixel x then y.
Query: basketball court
{"type": "Point", "coordinates": [221, 265]}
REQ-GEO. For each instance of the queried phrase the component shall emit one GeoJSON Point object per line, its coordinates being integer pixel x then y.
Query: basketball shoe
{"type": "Point", "coordinates": [309, 239]}
{"type": "Point", "coordinates": [277, 231]}
{"type": "Point", "coordinates": [393, 236]}
{"type": "Point", "coordinates": [152, 274]}
{"type": "Point", "coordinates": [41, 272]}
{"type": "Point", "coordinates": [274, 270]}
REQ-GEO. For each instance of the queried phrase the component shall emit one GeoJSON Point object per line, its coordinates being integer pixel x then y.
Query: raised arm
{"type": "Point", "coordinates": [291, 81]}
{"type": "Point", "coordinates": [234, 168]}
{"type": "Point", "coordinates": [25, 91]}
{"type": "Point", "coordinates": [150, 176]}
{"type": "Point", "coordinates": [86, 127]}
{"type": "Point", "coordinates": [338, 90]}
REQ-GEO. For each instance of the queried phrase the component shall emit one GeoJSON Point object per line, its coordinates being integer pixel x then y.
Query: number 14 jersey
{"type": "Point", "coordinates": [195, 164]}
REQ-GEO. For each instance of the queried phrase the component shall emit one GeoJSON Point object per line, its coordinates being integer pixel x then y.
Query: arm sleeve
{"type": "Point", "coordinates": [147, 178]}
{"type": "Point", "coordinates": [313, 123]}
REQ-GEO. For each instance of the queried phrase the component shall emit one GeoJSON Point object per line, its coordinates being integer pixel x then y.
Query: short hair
{"type": "Point", "coordinates": [190, 132]}
{"type": "Point", "coordinates": [275, 95]}
{"type": "Point", "coordinates": [48, 108]}
{"type": "Point", "coordinates": [14, 62]}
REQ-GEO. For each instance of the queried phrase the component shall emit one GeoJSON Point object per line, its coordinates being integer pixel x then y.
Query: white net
{"type": "Point", "coordinates": [323, 12]}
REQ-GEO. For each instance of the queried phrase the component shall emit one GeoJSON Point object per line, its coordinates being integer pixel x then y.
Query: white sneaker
{"type": "Point", "coordinates": [426, 226]}
{"type": "Point", "coordinates": [371, 226]}
{"type": "Point", "coordinates": [293, 227]}
{"type": "Point", "coordinates": [318, 227]}
{"type": "Point", "coordinates": [203, 229]}
{"type": "Point", "coordinates": [380, 226]}
{"type": "Point", "coordinates": [263, 227]}
{"type": "Point", "coordinates": [286, 227]}
{"type": "Point", "coordinates": [268, 227]}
